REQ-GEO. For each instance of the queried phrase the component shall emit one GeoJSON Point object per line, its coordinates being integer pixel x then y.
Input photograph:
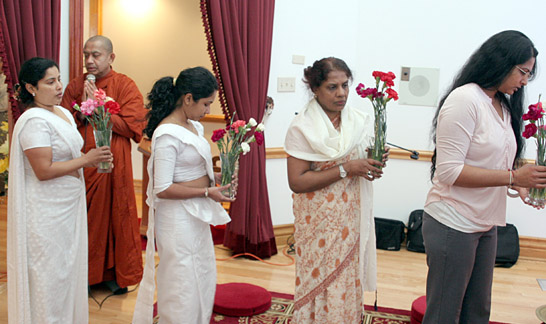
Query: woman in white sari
{"type": "Point", "coordinates": [183, 202]}
{"type": "Point", "coordinates": [47, 221]}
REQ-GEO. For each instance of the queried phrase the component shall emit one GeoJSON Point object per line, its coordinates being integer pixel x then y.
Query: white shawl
{"type": "Point", "coordinates": [312, 137]}
{"type": "Point", "coordinates": [207, 210]}
{"type": "Point", "coordinates": [18, 277]}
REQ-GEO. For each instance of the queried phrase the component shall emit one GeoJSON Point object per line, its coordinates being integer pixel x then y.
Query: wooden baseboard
{"type": "Point", "coordinates": [531, 248]}
{"type": "Point", "coordinates": [282, 233]}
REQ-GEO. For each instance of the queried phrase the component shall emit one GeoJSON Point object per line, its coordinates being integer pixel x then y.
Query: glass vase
{"type": "Point", "coordinates": [230, 169]}
{"type": "Point", "coordinates": [376, 147]}
{"type": "Point", "coordinates": [103, 138]}
{"type": "Point", "coordinates": [538, 195]}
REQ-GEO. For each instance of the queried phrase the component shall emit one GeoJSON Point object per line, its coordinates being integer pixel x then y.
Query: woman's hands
{"type": "Point", "coordinates": [530, 176]}
{"type": "Point", "coordinates": [366, 168]}
{"type": "Point", "coordinates": [215, 193]}
{"type": "Point", "coordinates": [96, 155]}
{"type": "Point", "coordinates": [234, 180]}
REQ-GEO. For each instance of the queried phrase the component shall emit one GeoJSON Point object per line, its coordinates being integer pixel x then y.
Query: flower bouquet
{"type": "Point", "coordinates": [379, 96]}
{"type": "Point", "coordinates": [537, 129]}
{"type": "Point", "coordinates": [97, 112]}
{"type": "Point", "coordinates": [232, 141]}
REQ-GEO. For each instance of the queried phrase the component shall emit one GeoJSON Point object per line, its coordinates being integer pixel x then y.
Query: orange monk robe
{"type": "Point", "coordinates": [114, 239]}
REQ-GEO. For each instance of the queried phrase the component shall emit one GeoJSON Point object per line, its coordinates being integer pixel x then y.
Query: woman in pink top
{"type": "Point", "coordinates": [477, 132]}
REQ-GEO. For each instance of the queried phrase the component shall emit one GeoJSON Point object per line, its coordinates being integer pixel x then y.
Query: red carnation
{"type": "Point", "coordinates": [530, 130]}
{"type": "Point", "coordinates": [535, 112]}
{"type": "Point", "coordinates": [377, 74]}
{"type": "Point", "coordinates": [218, 134]}
{"type": "Point", "coordinates": [112, 107]}
{"type": "Point", "coordinates": [259, 137]}
{"type": "Point", "coordinates": [392, 93]}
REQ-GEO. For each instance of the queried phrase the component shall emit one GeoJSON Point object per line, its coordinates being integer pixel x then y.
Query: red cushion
{"type": "Point", "coordinates": [418, 308]}
{"type": "Point", "coordinates": [241, 299]}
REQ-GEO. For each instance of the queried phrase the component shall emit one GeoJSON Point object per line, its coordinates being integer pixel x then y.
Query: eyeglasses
{"type": "Point", "coordinates": [528, 74]}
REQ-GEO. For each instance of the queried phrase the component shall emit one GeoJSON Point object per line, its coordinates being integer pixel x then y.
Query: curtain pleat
{"type": "Point", "coordinates": [239, 33]}
{"type": "Point", "coordinates": [29, 28]}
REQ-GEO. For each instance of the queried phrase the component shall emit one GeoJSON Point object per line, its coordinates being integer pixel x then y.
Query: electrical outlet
{"type": "Point", "coordinates": [286, 84]}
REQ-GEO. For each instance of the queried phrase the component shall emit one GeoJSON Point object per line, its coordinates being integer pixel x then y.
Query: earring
{"type": "Point", "coordinates": [33, 94]}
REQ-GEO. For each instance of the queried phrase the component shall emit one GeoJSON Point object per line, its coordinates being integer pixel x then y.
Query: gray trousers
{"type": "Point", "coordinates": [460, 273]}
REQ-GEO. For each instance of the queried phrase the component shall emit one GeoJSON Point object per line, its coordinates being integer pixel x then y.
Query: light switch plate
{"type": "Point", "coordinates": [286, 84]}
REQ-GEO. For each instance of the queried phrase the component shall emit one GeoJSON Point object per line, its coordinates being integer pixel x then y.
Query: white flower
{"type": "Point", "coordinates": [245, 147]}
{"type": "Point", "coordinates": [260, 127]}
{"type": "Point", "coordinates": [252, 122]}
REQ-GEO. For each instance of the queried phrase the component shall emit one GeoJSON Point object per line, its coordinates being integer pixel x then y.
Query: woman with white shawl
{"type": "Point", "coordinates": [330, 174]}
{"type": "Point", "coordinates": [47, 218]}
{"type": "Point", "coordinates": [183, 202]}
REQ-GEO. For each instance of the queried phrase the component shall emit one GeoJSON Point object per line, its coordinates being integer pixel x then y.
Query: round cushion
{"type": "Point", "coordinates": [241, 299]}
{"type": "Point", "coordinates": [418, 308]}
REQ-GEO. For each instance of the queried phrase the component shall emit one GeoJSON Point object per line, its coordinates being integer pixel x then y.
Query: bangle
{"type": "Point", "coordinates": [511, 179]}
{"type": "Point", "coordinates": [206, 192]}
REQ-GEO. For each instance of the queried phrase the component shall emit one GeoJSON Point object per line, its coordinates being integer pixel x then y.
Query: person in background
{"type": "Point", "coordinates": [47, 228]}
{"type": "Point", "coordinates": [183, 200]}
{"type": "Point", "coordinates": [115, 256]}
{"type": "Point", "coordinates": [330, 175]}
{"type": "Point", "coordinates": [478, 136]}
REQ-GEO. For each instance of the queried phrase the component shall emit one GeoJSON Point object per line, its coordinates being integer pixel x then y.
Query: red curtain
{"type": "Point", "coordinates": [239, 33]}
{"type": "Point", "coordinates": [29, 28]}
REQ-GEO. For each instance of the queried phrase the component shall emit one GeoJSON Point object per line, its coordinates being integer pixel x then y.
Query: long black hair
{"type": "Point", "coordinates": [488, 67]}
{"type": "Point", "coordinates": [166, 93]}
{"type": "Point", "coordinates": [31, 72]}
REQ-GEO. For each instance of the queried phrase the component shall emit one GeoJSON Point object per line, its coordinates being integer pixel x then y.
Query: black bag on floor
{"type": "Point", "coordinates": [414, 240]}
{"type": "Point", "coordinates": [507, 246]}
{"type": "Point", "coordinates": [389, 234]}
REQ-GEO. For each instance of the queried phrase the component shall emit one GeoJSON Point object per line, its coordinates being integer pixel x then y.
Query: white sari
{"type": "Point", "coordinates": [186, 277]}
{"type": "Point", "coordinates": [47, 233]}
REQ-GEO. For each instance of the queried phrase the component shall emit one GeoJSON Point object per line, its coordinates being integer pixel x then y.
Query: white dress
{"type": "Point", "coordinates": [47, 226]}
{"type": "Point", "coordinates": [186, 275]}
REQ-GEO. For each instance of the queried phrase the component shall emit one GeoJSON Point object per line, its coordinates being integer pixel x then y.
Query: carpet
{"type": "Point", "coordinates": [282, 307]}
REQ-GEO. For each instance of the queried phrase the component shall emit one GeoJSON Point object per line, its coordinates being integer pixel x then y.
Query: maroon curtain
{"type": "Point", "coordinates": [29, 28]}
{"type": "Point", "coordinates": [240, 34]}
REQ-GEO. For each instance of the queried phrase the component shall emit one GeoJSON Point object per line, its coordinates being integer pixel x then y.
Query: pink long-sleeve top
{"type": "Point", "coordinates": [471, 132]}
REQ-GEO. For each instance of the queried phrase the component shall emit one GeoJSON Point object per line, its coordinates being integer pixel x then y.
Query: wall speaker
{"type": "Point", "coordinates": [419, 86]}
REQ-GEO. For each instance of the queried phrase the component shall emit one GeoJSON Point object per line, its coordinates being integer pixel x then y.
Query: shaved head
{"type": "Point", "coordinates": [98, 56]}
{"type": "Point", "coordinates": [104, 41]}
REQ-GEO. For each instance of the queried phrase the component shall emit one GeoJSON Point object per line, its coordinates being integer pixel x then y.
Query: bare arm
{"type": "Point", "coordinates": [301, 178]}
{"type": "Point", "coordinates": [41, 160]}
{"type": "Point", "coordinates": [527, 176]}
{"type": "Point", "coordinates": [181, 191]}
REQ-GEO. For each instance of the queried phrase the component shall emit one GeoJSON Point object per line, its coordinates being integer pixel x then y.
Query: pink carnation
{"type": "Point", "coordinates": [88, 107]}
{"type": "Point", "coordinates": [100, 94]}
{"type": "Point", "coordinates": [239, 123]}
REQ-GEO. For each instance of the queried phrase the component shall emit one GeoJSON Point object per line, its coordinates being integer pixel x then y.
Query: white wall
{"type": "Point", "coordinates": [385, 35]}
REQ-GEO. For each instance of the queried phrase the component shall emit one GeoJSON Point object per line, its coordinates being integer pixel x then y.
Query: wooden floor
{"type": "Point", "coordinates": [401, 279]}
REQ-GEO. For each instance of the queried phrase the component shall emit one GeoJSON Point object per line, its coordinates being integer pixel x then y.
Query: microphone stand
{"type": "Point", "coordinates": [414, 154]}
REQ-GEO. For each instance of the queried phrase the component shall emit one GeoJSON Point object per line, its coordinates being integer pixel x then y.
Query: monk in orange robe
{"type": "Point", "coordinates": [115, 255]}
